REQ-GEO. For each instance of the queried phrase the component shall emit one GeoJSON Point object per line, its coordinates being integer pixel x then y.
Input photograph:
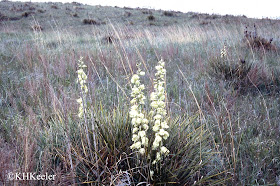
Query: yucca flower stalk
{"type": "Point", "coordinates": [82, 113]}
{"type": "Point", "coordinates": [82, 78]}
{"type": "Point", "coordinates": [139, 121]}
{"type": "Point", "coordinates": [159, 113]}
{"type": "Point", "coordinates": [224, 52]}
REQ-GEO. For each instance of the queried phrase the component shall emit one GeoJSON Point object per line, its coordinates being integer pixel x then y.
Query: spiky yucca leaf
{"type": "Point", "coordinates": [190, 152]}
{"type": "Point", "coordinates": [113, 131]}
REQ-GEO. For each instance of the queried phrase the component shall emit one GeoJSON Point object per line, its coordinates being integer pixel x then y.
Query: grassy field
{"type": "Point", "coordinates": [222, 95]}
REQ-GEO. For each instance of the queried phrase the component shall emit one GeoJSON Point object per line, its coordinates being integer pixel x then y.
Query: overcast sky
{"type": "Point", "coordinates": [250, 8]}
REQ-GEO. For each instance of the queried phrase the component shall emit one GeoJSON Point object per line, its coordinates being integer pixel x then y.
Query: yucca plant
{"type": "Point", "coordinates": [131, 145]}
{"type": "Point", "coordinates": [178, 160]}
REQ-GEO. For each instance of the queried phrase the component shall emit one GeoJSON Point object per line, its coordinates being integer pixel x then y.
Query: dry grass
{"type": "Point", "coordinates": [235, 135]}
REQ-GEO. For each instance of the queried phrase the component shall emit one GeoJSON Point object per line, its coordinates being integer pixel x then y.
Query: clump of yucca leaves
{"type": "Point", "coordinates": [186, 163]}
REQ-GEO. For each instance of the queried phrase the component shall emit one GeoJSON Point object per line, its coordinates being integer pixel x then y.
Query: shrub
{"type": "Point", "coordinates": [169, 14]}
{"type": "Point", "coordinates": [212, 16]}
{"type": "Point", "coordinates": [14, 18]}
{"type": "Point", "coordinates": [75, 15]}
{"type": "Point", "coordinates": [195, 16]}
{"type": "Point", "coordinates": [90, 22]}
{"type": "Point", "coordinates": [32, 8]}
{"type": "Point", "coordinates": [229, 71]}
{"type": "Point", "coordinates": [76, 3]}
{"type": "Point", "coordinates": [205, 23]}
{"type": "Point", "coordinates": [41, 11]}
{"type": "Point", "coordinates": [151, 18]}
{"type": "Point", "coordinates": [146, 12]}
{"type": "Point", "coordinates": [54, 7]}
{"type": "Point", "coordinates": [128, 8]}
{"type": "Point", "coordinates": [26, 14]}
{"type": "Point", "coordinates": [127, 14]}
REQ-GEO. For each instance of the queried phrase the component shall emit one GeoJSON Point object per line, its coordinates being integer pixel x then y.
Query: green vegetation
{"type": "Point", "coordinates": [222, 95]}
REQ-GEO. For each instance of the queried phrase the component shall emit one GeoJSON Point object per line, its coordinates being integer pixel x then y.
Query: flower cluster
{"type": "Point", "coordinates": [139, 122]}
{"type": "Point", "coordinates": [82, 77]}
{"type": "Point", "coordinates": [224, 52]}
{"type": "Point", "coordinates": [159, 112]}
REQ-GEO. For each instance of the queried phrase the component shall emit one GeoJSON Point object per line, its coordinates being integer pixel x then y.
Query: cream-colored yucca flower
{"type": "Point", "coordinates": [164, 150]}
{"type": "Point", "coordinates": [142, 151]}
{"type": "Point", "coordinates": [82, 77]}
{"type": "Point", "coordinates": [159, 112]}
{"type": "Point", "coordinates": [136, 145]}
{"type": "Point", "coordinates": [135, 79]}
{"type": "Point", "coordinates": [138, 120]}
{"type": "Point", "coordinates": [224, 52]}
{"type": "Point", "coordinates": [152, 173]}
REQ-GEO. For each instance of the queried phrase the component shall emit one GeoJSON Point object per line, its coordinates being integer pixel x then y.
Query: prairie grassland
{"type": "Point", "coordinates": [223, 112]}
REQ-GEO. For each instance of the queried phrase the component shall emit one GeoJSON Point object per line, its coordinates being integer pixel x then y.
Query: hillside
{"type": "Point", "coordinates": [72, 15]}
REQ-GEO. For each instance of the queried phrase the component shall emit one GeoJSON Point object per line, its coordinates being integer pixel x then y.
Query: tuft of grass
{"type": "Point", "coordinates": [54, 7]}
